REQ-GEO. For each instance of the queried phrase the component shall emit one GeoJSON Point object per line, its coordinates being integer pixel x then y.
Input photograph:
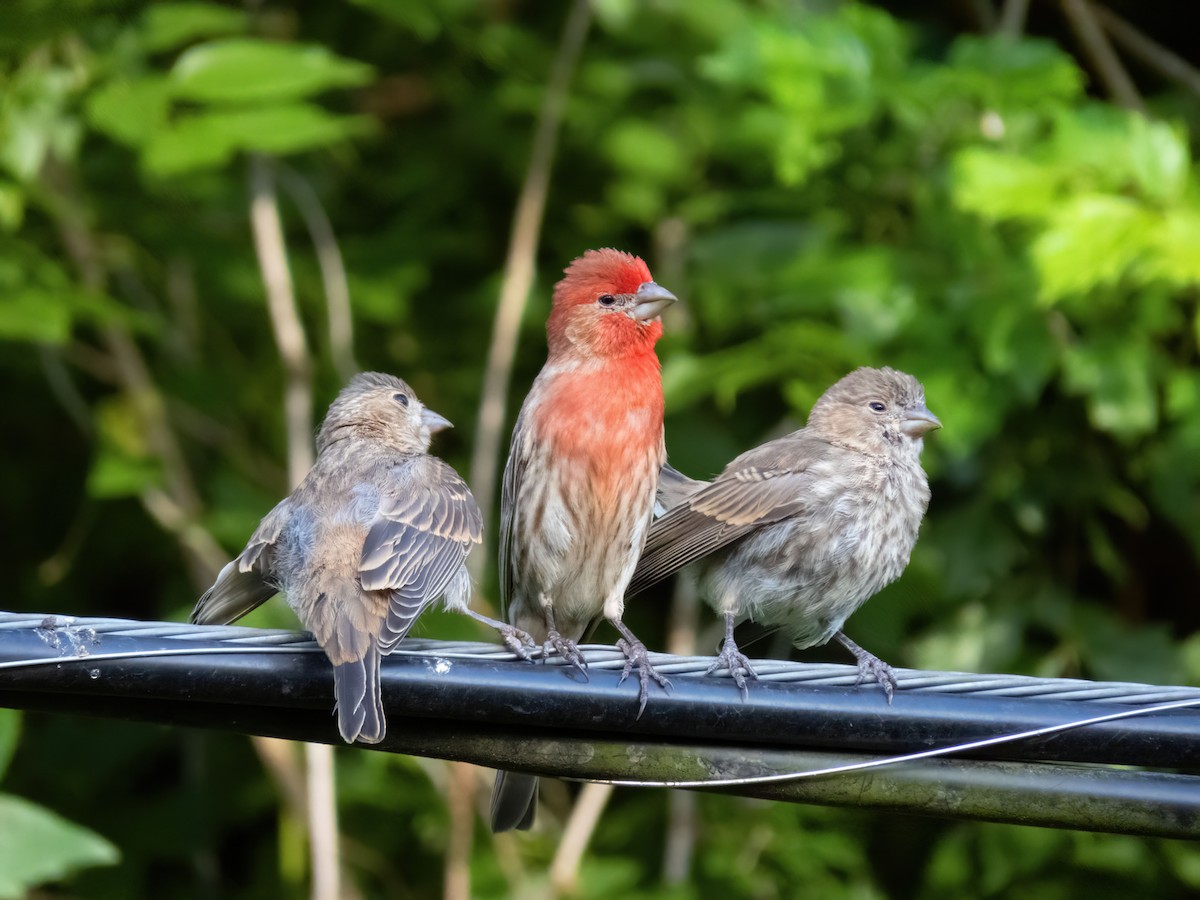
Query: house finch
{"type": "Point", "coordinates": [800, 532]}
{"type": "Point", "coordinates": [578, 492]}
{"type": "Point", "coordinates": [376, 532]}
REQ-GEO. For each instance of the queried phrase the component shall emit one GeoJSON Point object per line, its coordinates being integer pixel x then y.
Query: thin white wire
{"type": "Point", "coordinates": [895, 760]}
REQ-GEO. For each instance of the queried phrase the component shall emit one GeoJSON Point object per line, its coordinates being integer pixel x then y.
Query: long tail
{"type": "Point", "coordinates": [514, 801]}
{"type": "Point", "coordinates": [359, 705]}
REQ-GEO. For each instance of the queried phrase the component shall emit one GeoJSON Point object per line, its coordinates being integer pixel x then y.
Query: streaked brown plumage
{"type": "Point", "coordinates": [373, 535]}
{"type": "Point", "coordinates": [801, 531]}
{"type": "Point", "coordinates": [578, 490]}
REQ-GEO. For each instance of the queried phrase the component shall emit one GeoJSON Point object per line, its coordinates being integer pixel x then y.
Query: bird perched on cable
{"type": "Point", "coordinates": [373, 535]}
{"type": "Point", "coordinates": [800, 532]}
{"type": "Point", "coordinates": [578, 491]}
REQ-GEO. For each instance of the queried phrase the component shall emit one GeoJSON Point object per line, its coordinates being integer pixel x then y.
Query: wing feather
{"type": "Point", "coordinates": [763, 485]}
{"type": "Point", "coordinates": [424, 529]}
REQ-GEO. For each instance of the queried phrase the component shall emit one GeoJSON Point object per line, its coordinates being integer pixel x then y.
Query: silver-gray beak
{"type": "Point", "coordinates": [919, 420]}
{"type": "Point", "coordinates": [651, 299]}
{"type": "Point", "coordinates": [435, 422]}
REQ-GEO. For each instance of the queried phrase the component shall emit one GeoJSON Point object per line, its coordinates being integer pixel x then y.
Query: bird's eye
{"type": "Point", "coordinates": [402, 399]}
{"type": "Point", "coordinates": [607, 300]}
{"type": "Point", "coordinates": [877, 406]}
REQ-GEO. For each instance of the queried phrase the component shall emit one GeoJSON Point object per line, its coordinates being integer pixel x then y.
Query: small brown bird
{"type": "Point", "coordinates": [376, 532]}
{"type": "Point", "coordinates": [800, 532]}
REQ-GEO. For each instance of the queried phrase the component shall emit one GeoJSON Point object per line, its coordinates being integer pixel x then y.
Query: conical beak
{"type": "Point", "coordinates": [434, 422]}
{"type": "Point", "coordinates": [919, 420]}
{"type": "Point", "coordinates": [649, 302]}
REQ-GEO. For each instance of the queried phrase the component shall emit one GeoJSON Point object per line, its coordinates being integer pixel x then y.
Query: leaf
{"type": "Point", "coordinates": [12, 206]}
{"type": "Point", "coordinates": [1092, 240]}
{"type": "Point", "coordinates": [34, 315]}
{"type": "Point", "coordinates": [130, 111]}
{"type": "Point", "coordinates": [1116, 379]}
{"type": "Point", "coordinates": [254, 71]}
{"type": "Point", "coordinates": [210, 139]}
{"type": "Point", "coordinates": [165, 26]}
{"type": "Point", "coordinates": [1175, 242]}
{"type": "Point", "coordinates": [1000, 186]}
{"type": "Point", "coordinates": [41, 846]}
{"type": "Point", "coordinates": [10, 735]}
{"type": "Point", "coordinates": [1159, 159]}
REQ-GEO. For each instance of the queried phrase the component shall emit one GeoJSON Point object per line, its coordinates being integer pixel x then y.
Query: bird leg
{"type": "Point", "coordinates": [555, 642]}
{"type": "Point", "coordinates": [733, 659]}
{"type": "Point", "coordinates": [514, 638]}
{"type": "Point", "coordinates": [636, 655]}
{"type": "Point", "coordinates": [870, 664]}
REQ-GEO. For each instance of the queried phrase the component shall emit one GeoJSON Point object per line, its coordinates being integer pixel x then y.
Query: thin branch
{"type": "Point", "coordinates": [1153, 54]}
{"type": "Point", "coordinates": [323, 822]}
{"type": "Point", "coordinates": [519, 265]}
{"type": "Point", "coordinates": [585, 814]}
{"type": "Point", "coordinates": [288, 330]}
{"type": "Point", "coordinates": [1101, 55]}
{"type": "Point", "coordinates": [333, 269]}
{"type": "Point", "coordinates": [176, 507]}
{"type": "Point", "coordinates": [460, 798]}
{"type": "Point", "coordinates": [286, 326]}
{"type": "Point", "coordinates": [1012, 18]}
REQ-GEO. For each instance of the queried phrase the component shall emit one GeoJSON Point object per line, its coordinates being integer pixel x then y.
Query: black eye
{"type": "Point", "coordinates": [607, 300]}
{"type": "Point", "coordinates": [877, 406]}
{"type": "Point", "coordinates": [402, 399]}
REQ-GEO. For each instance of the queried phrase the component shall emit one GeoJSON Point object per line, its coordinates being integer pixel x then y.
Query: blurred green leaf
{"type": "Point", "coordinates": [255, 71]}
{"type": "Point", "coordinates": [166, 26]}
{"type": "Point", "coordinates": [10, 735]}
{"type": "Point", "coordinates": [1091, 241]}
{"type": "Point", "coordinates": [35, 315]}
{"type": "Point", "coordinates": [131, 111]}
{"type": "Point", "coordinates": [209, 139]}
{"type": "Point", "coordinates": [999, 186]}
{"type": "Point", "coordinates": [40, 846]}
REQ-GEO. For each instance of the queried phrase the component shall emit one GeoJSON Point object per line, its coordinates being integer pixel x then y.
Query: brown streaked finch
{"type": "Point", "coordinates": [373, 535]}
{"type": "Point", "coordinates": [578, 491]}
{"type": "Point", "coordinates": [800, 532]}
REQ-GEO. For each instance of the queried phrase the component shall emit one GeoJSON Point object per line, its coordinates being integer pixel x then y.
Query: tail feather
{"type": "Point", "coordinates": [232, 595]}
{"type": "Point", "coordinates": [514, 801]}
{"type": "Point", "coordinates": [359, 704]}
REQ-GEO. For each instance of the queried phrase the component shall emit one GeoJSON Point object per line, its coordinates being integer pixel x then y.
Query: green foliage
{"type": "Point", "coordinates": [824, 185]}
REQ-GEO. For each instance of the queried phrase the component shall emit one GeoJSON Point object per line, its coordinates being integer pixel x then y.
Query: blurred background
{"type": "Point", "coordinates": [999, 196]}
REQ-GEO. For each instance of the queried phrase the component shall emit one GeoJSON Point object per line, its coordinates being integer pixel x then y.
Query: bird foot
{"type": "Point", "coordinates": [636, 655]}
{"type": "Point", "coordinates": [564, 647]}
{"type": "Point", "coordinates": [737, 663]}
{"type": "Point", "coordinates": [872, 665]}
{"type": "Point", "coordinates": [518, 641]}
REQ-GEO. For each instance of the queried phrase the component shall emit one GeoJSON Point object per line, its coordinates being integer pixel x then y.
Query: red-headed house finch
{"type": "Point", "coordinates": [376, 532]}
{"type": "Point", "coordinates": [578, 491]}
{"type": "Point", "coordinates": [800, 532]}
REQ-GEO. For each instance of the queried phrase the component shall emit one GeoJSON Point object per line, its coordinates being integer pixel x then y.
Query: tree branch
{"type": "Point", "coordinates": [519, 265]}
{"type": "Point", "coordinates": [1101, 55]}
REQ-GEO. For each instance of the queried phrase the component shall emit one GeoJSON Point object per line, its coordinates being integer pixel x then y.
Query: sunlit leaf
{"type": "Point", "coordinates": [245, 70]}
{"type": "Point", "coordinates": [130, 111]}
{"type": "Point", "coordinates": [165, 26]}
{"type": "Point", "coordinates": [209, 139]}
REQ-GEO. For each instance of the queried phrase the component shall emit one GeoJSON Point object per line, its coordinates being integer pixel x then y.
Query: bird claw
{"type": "Point", "coordinates": [636, 655]}
{"type": "Point", "coordinates": [737, 663]}
{"type": "Point", "coordinates": [565, 648]}
{"type": "Point", "coordinates": [869, 664]}
{"type": "Point", "coordinates": [518, 641]}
